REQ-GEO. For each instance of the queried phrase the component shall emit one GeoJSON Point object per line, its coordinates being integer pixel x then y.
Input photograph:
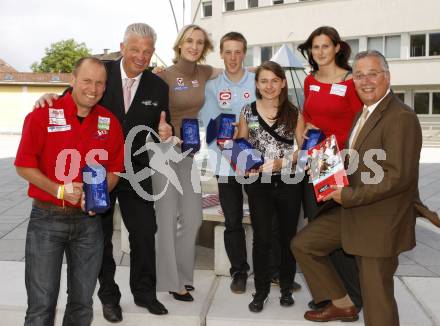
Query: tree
{"type": "Point", "coordinates": [61, 56]}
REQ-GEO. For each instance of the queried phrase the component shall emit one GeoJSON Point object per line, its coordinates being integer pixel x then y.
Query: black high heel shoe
{"type": "Point", "coordinates": [182, 297]}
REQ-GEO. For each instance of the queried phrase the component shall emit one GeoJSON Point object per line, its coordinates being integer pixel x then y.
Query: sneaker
{"type": "Point", "coordinates": [258, 302]}
{"type": "Point", "coordinates": [286, 299]}
{"type": "Point", "coordinates": [238, 284]}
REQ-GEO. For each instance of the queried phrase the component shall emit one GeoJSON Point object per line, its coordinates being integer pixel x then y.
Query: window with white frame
{"type": "Point", "coordinates": [266, 53]}
{"type": "Point", "coordinates": [207, 8]}
{"type": "Point", "coordinates": [278, 2]}
{"type": "Point", "coordinates": [229, 5]}
{"type": "Point", "coordinates": [422, 45]}
{"type": "Point", "coordinates": [375, 43]}
{"type": "Point", "coordinates": [392, 46]}
{"type": "Point", "coordinates": [249, 59]}
{"type": "Point", "coordinates": [252, 3]}
{"type": "Point", "coordinates": [434, 44]}
{"type": "Point", "coordinates": [418, 45]}
{"type": "Point", "coordinates": [421, 102]}
{"type": "Point", "coordinates": [354, 46]}
{"type": "Point", "coordinates": [389, 46]}
{"type": "Point", "coordinates": [435, 103]}
{"type": "Point", "coordinates": [427, 102]}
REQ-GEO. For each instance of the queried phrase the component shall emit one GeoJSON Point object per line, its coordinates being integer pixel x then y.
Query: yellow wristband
{"type": "Point", "coordinates": [60, 192]}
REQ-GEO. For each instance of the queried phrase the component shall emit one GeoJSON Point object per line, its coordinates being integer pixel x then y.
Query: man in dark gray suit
{"type": "Point", "coordinates": [149, 99]}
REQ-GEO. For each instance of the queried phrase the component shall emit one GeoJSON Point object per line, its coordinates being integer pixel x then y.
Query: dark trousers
{"type": "Point", "coordinates": [312, 247]}
{"type": "Point", "coordinates": [139, 218]}
{"type": "Point", "coordinates": [275, 252]}
{"type": "Point", "coordinates": [266, 201]}
{"type": "Point", "coordinates": [49, 236]}
{"type": "Point", "coordinates": [344, 263]}
{"type": "Point", "coordinates": [231, 201]}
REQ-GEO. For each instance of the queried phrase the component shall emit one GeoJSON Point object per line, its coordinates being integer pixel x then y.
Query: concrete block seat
{"type": "Point", "coordinates": [13, 300]}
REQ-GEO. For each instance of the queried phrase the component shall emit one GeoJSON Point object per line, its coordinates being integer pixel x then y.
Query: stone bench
{"type": "Point", "coordinates": [210, 214]}
{"type": "Point", "coordinates": [221, 260]}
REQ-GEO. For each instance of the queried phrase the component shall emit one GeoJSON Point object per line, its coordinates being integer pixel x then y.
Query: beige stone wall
{"type": "Point", "coordinates": [16, 101]}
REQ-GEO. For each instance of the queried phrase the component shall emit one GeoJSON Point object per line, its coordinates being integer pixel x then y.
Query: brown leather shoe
{"type": "Point", "coordinates": [331, 312]}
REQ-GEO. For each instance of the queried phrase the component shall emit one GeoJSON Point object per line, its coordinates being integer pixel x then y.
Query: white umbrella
{"type": "Point", "coordinates": [286, 59]}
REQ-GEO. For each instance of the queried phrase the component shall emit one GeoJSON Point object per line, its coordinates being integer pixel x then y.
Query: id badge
{"type": "Point", "coordinates": [338, 89]}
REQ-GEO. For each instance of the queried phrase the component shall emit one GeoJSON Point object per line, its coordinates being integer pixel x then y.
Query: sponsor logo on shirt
{"type": "Point", "coordinates": [180, 85]}
{"type": "Point", "coordinates": [253, 122]}
{"type": "Point", "coordinates": [56, 113]}
{"type": "Point", "coordinates": [101, 133]}
{"type": "Point", "coordinates": [103, 123]}
{"type": "Point", "coordinates": [246, 95]}
{"type": "Point", "coordinates": [224, 99]}
{"type": "Point", "coordinates": [181, 88]}
{"type": "Point", "coordinates": [195, 83]}
{"type": "Point", "coordinates": [150, 103]}
{"type": "Point", "coordinates": [56, 117]}
{"type": "Point", "coordinates": [225, 95]}
{"type": "Point", "coordinates": [58, 128]}
{"type": "Point", "coordinates": [57, 121]}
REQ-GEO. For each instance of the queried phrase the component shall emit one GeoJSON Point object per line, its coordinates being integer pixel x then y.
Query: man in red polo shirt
{"type": "Point", "coordinates": [57, 142]}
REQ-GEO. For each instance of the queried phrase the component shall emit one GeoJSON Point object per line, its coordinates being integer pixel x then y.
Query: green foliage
{"type": "Point", "coordinates": [61, 56]}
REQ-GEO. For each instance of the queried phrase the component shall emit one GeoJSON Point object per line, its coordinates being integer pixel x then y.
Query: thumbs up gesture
{"type": "Point", "coordinates": [165, 130]}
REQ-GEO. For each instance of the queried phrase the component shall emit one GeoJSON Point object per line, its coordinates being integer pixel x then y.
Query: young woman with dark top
{"type": "Point", "coordinates": [273, 126]}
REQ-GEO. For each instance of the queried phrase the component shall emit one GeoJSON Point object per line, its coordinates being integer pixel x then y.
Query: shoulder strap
{"type": "Point", "coordinates": [346, 75]}
{"type": "Point", "coordinates": [267, 128]}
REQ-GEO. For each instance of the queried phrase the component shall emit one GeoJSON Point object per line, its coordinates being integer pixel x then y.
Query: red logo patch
{"type": "Point", "coordinates": [225, 96]}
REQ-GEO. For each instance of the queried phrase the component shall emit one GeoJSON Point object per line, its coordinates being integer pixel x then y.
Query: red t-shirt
{"type": "Point", "coordinates": [50, 130]}
{"type": "Point", "coordinates": [331, 107]}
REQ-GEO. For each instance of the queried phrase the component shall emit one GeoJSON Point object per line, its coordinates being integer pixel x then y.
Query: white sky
{"type": "Point", "coordinates": [27, 27]}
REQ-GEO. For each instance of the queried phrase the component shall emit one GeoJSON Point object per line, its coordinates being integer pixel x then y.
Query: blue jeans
{"type": "Point", "coordinates": [49, 236]}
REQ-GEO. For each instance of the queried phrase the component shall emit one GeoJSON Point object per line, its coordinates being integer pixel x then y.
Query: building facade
{"type": "Point", "coordinates": [20, 90]}
{"type": "Point", "coordinates": [407, 32]}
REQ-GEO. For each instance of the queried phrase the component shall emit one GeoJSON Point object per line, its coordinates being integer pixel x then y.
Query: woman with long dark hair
{"type": "Point", "coordinates": [330, 104]}
{"type": "Point", "coordinates": [273, 125]}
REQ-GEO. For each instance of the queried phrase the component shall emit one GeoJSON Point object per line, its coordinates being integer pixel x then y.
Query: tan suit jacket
{"type": "Point", "coordinates": [378, 219]}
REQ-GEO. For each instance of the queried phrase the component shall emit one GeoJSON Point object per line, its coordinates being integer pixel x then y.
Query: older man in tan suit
{"type": "Point", "coordinates": [376, 220]}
